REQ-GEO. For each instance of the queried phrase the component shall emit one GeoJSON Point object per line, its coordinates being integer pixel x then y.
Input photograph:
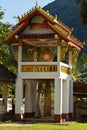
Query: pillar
{"type": "Point", "coordinates": [35, 54]}
{"type": "Point", "coordinates": [58, 100]}
{"type": "Point", "coordinates": [70, 57]}
{"type": "Point", "coordinates": [66, 104]}
{"type": "Point", "coordinates": [37, 114]}
{"type": "Point", "coordinates": [58, 60]}
{"type": "Point", "coordinates": [4, 95]}
{"type": "Point", "coordinates": [70, 99]}
{"type": "Point", "coordinates": [28, 99]}
{"type": "Point", "coordinates": [34, 83]}
{"type": "Point", "coordinates": [19, 58]}
{"type": "Point", "coordinates": [19, 99]}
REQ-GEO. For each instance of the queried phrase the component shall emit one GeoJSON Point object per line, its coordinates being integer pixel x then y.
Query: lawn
{"type": "Point", "coordinates": [46, 126]}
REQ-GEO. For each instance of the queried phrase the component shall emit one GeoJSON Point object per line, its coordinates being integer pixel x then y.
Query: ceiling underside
{"type": "Point", "coordinates": [41, 42]}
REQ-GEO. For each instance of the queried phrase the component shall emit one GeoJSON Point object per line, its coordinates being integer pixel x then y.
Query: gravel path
{"type": "Point", "coordinates": [15, 124]}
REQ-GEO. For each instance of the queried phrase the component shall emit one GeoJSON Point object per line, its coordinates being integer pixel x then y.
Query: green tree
{"type": "Point", "coordinates": [80, 69]}
{"type": "Point", "coordinates": [6, 57]}
{"type": "Point", "coordinates": [83, 10]}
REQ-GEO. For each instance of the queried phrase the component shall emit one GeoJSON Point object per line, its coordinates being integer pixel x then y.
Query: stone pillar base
{"type": "Point", "coordinates": [70, 116]}
{"type": "Point", "coordinates": [17, 117]}
{"type": "Point", "coordinates": [58, 118]}
{"type": "Point", "coordinates": [29, 115]}
{"type": "Point", "coordinates": [65, 116]}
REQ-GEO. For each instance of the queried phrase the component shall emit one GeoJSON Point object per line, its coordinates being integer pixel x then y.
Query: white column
{"type": "Point", "coordinates": [37, 100]}
{"type": "Point", "coordinates": [34, 85]}
{"type": "Point", "coordinates": [70, 96]}
{"type": "Point", "coordinates": [34, 82]}
{"type": "Point", "coordinates": [58, 99]}
{"type": "Point", "coordinates": [66, 99]}
{"type": "Point", "coordinates": [19, 96]}
{"type": "Point", "coordinates": [58, 60]}
{"type": "Point", "coordinates": [28, 97]}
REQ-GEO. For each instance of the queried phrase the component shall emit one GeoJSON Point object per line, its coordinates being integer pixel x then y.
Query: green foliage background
{"type": "Point", "coordinates": [6, 57]}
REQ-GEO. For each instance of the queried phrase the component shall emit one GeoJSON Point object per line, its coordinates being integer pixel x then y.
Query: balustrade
{"type": "Point", "coordinates": [39, 68]}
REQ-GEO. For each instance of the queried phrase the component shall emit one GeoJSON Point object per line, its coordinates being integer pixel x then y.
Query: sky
{"type": "Point", "coordinates": [13, 8]}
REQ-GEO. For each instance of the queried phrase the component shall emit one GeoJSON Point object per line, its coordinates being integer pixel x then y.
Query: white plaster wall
{"type": "Point", "coordinates": [19, 96]}
{"type": "Point", "coordinates": [28, 96]}
{"type": "Point", "coordinates": [70, 96]}
{"type": "Point", "coordinates": [65, 101]}
{"type": "Point", "coordinates": [58, 96]}
{"type": "Point", "coordinates": [65, 76]}
{"type": "Point", "coordinates": [38, 75]}
{"type": "Point", "coordinates": [37, 31]}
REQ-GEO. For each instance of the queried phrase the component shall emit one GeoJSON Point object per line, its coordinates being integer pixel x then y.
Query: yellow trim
{"type": "Point", "coordinates": [61, 29]}
{"type": "Point", "coordinates": [62, 53]}
{"type": "Point", "coordinates": [44, 68]}
{"type": "Point", "coordinates": [57, 30]}
{"type": "Point", "coordinates": [15, 53]}
{"type": "Point", "coordinates": [65, 70]}
{"type": "Point", "coordinates": [39, 68]}
{"type": "Point", "coordinates": [77, 41]}
{"type": "Point", "coordinates": [43, 12]}
{"type": "Point", "coordinates": [47, 15]}
{"type": "Point", "coordinates": [74, 57]}
{"type": "Point", "coordinates": [12, 32]}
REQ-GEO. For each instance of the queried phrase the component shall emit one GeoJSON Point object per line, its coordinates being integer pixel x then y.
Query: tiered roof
{"type": "Point", "coordinates": [55, 24]}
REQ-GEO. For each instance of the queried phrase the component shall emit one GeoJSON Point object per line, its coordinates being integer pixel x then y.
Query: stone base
{"type": "Point", "coordinates": [17, 117]}
{"type": "Point", "coordinates": [65, 116]}
{"type": "Point", "coordinates": [70, 116]}
{"type": "Point", "coordinates": [58, 118]}
{"type": "Point", "coordinates": [29, 115]}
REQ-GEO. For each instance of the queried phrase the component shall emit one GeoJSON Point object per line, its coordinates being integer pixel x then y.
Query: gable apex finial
{"type": "Point", "coordinates": [36, 2]}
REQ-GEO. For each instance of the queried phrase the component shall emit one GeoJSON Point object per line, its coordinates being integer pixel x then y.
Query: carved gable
{"type": "Point", "coordinates": [37, 25]}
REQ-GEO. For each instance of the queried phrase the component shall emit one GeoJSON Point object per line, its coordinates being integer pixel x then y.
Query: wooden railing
{"type": "Point", "coordinates": [44, 67]}
{"type": "Point", "coordinates": [39, 68]}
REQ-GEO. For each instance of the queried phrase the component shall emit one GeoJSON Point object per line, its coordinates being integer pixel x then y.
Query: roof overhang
{"type": "Point", "coordinates": [57, 26]}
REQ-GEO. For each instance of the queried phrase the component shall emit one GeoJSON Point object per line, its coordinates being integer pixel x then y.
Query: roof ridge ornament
{"type": "Point", "coordinates": [36, 3]}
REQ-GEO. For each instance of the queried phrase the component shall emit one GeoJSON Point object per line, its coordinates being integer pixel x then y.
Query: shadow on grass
{"type": "Point", "coordinates": [82, 121]}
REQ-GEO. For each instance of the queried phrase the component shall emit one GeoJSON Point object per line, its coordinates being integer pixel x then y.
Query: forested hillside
{"type": "Point", "coordinates": [68, 13]}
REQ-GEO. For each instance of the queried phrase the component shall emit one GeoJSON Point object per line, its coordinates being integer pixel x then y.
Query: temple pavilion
{"type": "Point", "coordinates": [45, 50]}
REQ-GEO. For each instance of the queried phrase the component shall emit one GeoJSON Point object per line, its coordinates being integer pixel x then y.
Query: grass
{"type": "Point", "coordinates": [49, 126]}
